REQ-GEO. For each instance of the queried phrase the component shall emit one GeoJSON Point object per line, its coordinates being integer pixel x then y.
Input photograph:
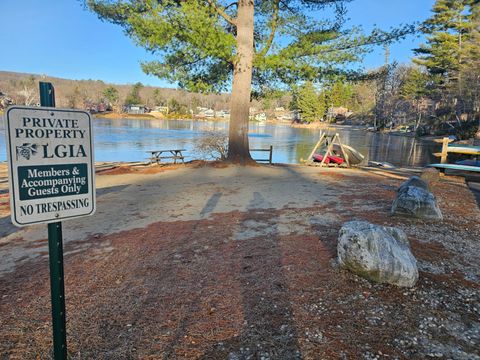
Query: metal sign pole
{"type": "Point", "coordinates": [55, 250]}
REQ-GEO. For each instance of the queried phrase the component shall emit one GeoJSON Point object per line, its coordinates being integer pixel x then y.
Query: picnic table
{"type": "Point", "coordinates": [157, 155]}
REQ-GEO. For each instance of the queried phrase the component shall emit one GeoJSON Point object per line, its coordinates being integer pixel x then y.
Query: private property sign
{"type": "Point", "coordinates": [50, 157]}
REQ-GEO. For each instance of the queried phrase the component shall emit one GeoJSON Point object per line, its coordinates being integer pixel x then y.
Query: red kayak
{"type": "Point", "coordinates": [330, 159]}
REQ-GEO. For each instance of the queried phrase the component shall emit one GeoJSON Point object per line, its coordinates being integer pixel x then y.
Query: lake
{"type": "Point", "coordinates": [128, 140]}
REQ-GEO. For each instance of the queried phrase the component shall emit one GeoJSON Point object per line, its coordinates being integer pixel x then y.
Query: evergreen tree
{"type": "Point", "coordinates": [415, 88]}
{"type": "Point", "coordinates": [309, 103]}
{"type": "Point", "coordinates": [470, 66]}
{"type": "Point", "coordinates": [111, 94]}
{"type": "Point", "coordinates": [293, 106]}
{"type": "Point", "coordinates": [445, 31]}
{"type": "Point", "coordinates": [340, 93]}
{"type": "Point", "coordinates": [415, 85]}
{"type": "Point", "coordinates": [210, 45]}
{"type": "Point", "coordinates": [471, 47]}
{"type": "Point", "coordinates": [451, 57]}
{"type": "Point", "coordinates": [134, 97]}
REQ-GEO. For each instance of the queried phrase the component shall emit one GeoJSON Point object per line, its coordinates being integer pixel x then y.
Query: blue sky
{"type": "Point", "coordinates": [59, 38]}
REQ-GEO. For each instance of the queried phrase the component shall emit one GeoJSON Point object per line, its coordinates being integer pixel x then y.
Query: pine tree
{"type": "Point", "coordinates": [451, 57]}
{"type": "Point", "coordinates": [445, 32]}
{"type": "Point", "coordinates": [415, 83]}
{"type": "Point", "coordinates": [293, 106]}
{"type": "Point", "coordinates": [340, 94]}
{"type": "Point", "coordinates": [309, 103]}
{"type": "Point", "coordinates": [415, 88]}
{"type": "Point", "coordinates": [218, 45]}
{"type": "Point", "coordinates": [111, 94]}
{"type": "Point", "coordinates": [470, 67]}
{"type": "Point", "coordinates": [134, 97]}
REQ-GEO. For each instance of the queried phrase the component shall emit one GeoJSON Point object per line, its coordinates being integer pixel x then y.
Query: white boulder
{"type": "Point", "coordinates": [377, 253]}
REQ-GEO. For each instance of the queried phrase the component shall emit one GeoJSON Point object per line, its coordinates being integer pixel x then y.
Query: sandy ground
{"type": "Point", "coordinates": [202, 262]}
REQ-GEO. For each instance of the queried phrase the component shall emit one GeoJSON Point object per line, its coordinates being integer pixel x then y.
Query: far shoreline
{"type": "Point", "coordinates": [313, 126]}
{"type": "Point", "coordinates": [318, 125]}
{"type": "Point", "coordinates": [149, 116]}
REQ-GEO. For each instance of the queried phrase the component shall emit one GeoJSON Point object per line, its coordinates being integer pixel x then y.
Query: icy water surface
{"type": "Point", "coordinates": [129, 140]}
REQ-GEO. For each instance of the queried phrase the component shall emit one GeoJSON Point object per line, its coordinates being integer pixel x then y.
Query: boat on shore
{"type": "Point", "coordinates": [331, 159]}
{"type": "Point", "coordinates": [354, 157]}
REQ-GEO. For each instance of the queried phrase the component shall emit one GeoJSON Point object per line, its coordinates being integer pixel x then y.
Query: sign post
{"type": "Point", "coordinates": [51, 170]}
{"type": "Point", "coordinates": [55, 255]}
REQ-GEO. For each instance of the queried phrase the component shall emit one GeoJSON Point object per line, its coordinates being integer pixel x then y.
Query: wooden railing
{"type": "Point", "coordinates": [455, 149]}
{"type": "Point", "coordinates": [448, 148]}
{"type": "Point", "coordinates": [270, 151]}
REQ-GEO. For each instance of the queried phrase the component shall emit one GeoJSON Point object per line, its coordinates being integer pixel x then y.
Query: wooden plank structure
{"type": "Point", "coordinates": [329, 142]}
{"type": "Point", "coordinates": [175, 154]}
{"type": "Point", "coordinates": [455, 149]}
{"type": "Point", "coordinates": [455, 167]}
{"type": "Point", "coordinates": [270, 155]}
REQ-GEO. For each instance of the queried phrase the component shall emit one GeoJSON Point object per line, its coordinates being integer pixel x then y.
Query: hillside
{"type": "Point", "coordinates": [22, 88]}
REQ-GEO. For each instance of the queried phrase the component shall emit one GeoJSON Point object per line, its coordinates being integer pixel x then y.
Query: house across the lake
{"type": "Point", "coordinates": [94, 108]}
{"type": "Point", "coordinates": [162, 109]}
{"type": "Point", "coordinates": [135, 109]}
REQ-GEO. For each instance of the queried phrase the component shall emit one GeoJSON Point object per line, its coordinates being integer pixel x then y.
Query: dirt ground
{"type": "Point", "coordinates": [223, 262]}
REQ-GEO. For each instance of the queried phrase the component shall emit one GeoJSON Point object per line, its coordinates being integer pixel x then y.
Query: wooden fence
{"type": "Point", "coordinates": [269, 150]}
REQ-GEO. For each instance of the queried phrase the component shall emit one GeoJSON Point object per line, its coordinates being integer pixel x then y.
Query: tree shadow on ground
{"type": "Point", "coordinates": [7, 228]}
{"type": "Point", "coordinates": [268, 328]}
{"type": "Point", "coordinates": [211, 204]}
{"type": "Point", "coordinates": [222, 286]}
{"type": "Point", "coordinates": [216, 289]}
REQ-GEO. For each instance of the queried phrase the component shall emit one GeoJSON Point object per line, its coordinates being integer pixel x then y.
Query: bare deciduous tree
{"type": "Point", "coordinates": [28, 93]}
{"type": "Point", "coordinates": [214, 145]}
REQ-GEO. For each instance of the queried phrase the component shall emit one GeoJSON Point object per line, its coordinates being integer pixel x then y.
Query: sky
{"type": "Point", "coordinates": [60, 38]}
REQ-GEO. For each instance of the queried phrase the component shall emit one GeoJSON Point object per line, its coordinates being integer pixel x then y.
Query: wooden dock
{"type": "Point", "coordinates": [448, 148]}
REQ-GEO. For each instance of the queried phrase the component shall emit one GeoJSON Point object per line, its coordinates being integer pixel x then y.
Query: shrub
{"type": "Point", "coordinates": [213, 146]}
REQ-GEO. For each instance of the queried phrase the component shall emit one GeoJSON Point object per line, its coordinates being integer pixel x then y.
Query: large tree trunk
{"type": "Point", "coordinates": [238, 147]}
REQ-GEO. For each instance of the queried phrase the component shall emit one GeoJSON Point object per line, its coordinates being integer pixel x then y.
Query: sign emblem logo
{"type": "Point", "coordinates": [26, 151]}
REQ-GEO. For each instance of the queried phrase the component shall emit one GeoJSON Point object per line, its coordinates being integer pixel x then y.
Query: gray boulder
{"type": "Point", "coordinates": [416, 202]}
{"type": "Point", "coordinates": [377, 253]}
{"type": "Point", "coordinates": [414, 181]}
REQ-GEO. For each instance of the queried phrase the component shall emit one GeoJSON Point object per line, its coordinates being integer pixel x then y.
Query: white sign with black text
{"type": "Point", "coordinates": [51, 166]}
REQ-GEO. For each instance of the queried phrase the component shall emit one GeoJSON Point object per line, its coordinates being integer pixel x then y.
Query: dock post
{"type": "Point", "coordinates": [444, 155]}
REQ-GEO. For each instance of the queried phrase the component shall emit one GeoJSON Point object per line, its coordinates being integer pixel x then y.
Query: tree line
{"type": "Point", "coordinates": [442, 85]}
{"type": "Point", "coordinates": [22, 89]}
